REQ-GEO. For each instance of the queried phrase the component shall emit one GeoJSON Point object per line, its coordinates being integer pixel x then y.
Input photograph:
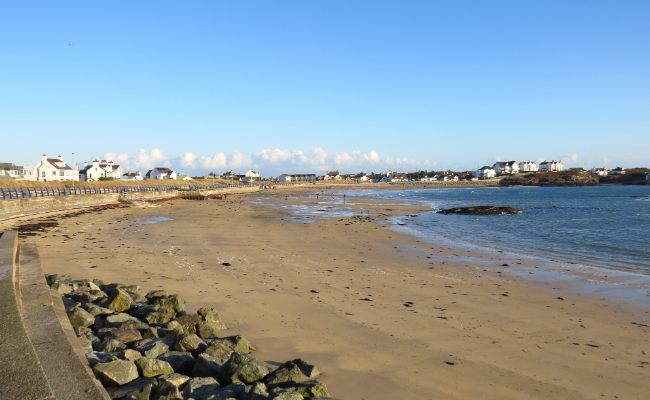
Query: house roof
{"type": "Point", "coordinates": [506, 163]}
{"type": "Point", "coordinates": [53, 161]}
{"type": "Point", "coordinates": [163, 169]}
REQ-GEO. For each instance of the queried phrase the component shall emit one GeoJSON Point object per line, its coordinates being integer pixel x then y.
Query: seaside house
{"type": "Point", "coordinates": [161, 173]}
{"type": "Point", "coordinates": [446, 177]}
{"type": "Point", "coordinates": [251, 176]}
{"type": "Point", "coordinates": [394, 177]}
{"type": "Point", "coordinates": [551, 166]}
{"type": "Point", "coordinates": [333, 175]}
{"type": "Point", "coordinates": [506, 167]}
{"type": "Point", "coordinates": [361, 177]}
{"type": "Point", "coordinates": [100, 169]}
{"type": "Point", "coordinates": [17, 172]}
{"type": "Point", "coordinates": [54, 169]}
{"type": "Point", "coordinates": [528, 166]}
{"type": "Point", "coordinates": [618, 171]}
{"type": "Point", "coordinates": [132, 176]}
{"type": "Point", "coordinates": [485, 173]}
{"type": "Point", "coordinates": [599, 171]}
{"type": "Point", "coordinates": [430, 177]}
{"type": "Point", "coordinates": [297, 178]}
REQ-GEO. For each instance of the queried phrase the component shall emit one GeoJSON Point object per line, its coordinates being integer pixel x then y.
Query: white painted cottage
{"type": "Point", "coordinates": [598, 171]}
{"type": "Point", "coordinates": [506, 167]}
{"type": "Point", "coordinates": [528, 166]}
{"type": "Point", "coordinates": [618, 171]}
{"type": "Point", "coordinates": [160, 173]}
{"type": "Point", "coordinates": [252, 176]}
{"type": "Point", "coordinates": [485, 173]}
{"type": "Point", "coordinates": [551, 166]}
{"type": "Point", "coordinates": [100, 169]}
{"type": "Point", "coordinates": [54, 169]}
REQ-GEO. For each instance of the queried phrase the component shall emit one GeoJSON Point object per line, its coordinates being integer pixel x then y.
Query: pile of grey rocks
{"type": "Point", "coordinates": [147, 347]}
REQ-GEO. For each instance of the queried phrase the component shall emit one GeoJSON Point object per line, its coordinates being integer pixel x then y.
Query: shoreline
{"type": "Point", "coordinates": [338, 295]}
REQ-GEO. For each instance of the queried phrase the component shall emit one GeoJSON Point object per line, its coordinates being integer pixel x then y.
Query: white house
{"type": "Point", "coordinates": [647, 176]}
{"type": "Point", "coordinates": [430, 177]}
{"type": "Point", "coordinates": [598, 171]}
{"type": "Point", "coordinates": [445, 178]}
{"type": "Point", "coordinates": [485, 173]}
{"type": "Point", "coordinates": [160, 173]}
{"type": "Point", "coordinates": [618, 171]}
{"type": "Point", "coordinates": [506, 167]}
{"type": "Point", "coordinates": [551, 166]}
{"type": "Point", "coordinates": [333, 175]}
{"type": "Point", "coordinates": [17, 172]}
{"type": "Point", "coordinates": [297, 178]}
{"type": "Point", "coordinates": [100, 169]}
{"type": "Point", "coordinates": [395, 177]}
{"type": "Point", "coordinates": [54, 169]}
{"type": "Point", "coordinates": [132, 176]}
{"type": "Point", "coordinates": [528, 166]}
{"type": "Point", "coordinates": [252, 176]}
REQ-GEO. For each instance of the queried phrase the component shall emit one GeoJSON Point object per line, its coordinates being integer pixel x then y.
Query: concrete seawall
{"type": "Point", "coordinates": [36, 204]}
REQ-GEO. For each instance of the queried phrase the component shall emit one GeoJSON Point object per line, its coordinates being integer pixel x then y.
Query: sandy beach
{"type": "Point", "coordinates": [382, 315]}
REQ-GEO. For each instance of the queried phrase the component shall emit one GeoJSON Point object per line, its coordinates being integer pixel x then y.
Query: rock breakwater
{"type": "Point", "coordinates": [145, 346]}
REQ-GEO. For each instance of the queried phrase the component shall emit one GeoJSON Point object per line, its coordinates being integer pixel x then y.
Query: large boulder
{"type": "Point", "coordinates": [220, 349]}
{"type": "Point", "coordinates": [200, 388]}
{"type": "Point", "coordinates": [96, 357]}
{"type": "Point", "coordinates": [125, 336]}
{"type": "Point", "coordinates": [116, 320]}
{"type": "Point", "coordinates": [139, 389]}
{"type": "Point", "coordinates": [135, 289]}
{"type": "Point", "coordinates": [207, 330]}
{"type": "Point", "coordinates": [188, 322]}
{"type": "Point", "coordinates": [207, 365]}
{"type": "Point", "coordinates": [119, 301]}
{"type": "Point", "coordinates": [158, 318]}
{"type": "Point", "coordinates": [211, 315]}
{"type": "Point", "coordinates": [285, 375]}
{"type": "Point", "coordinates": [141, 312]}
{"type": "Point", "coordinates": [134, 324]}
{"type": "Point", "coordinates": [173, 303]}
{"type": "Point", "coordinates": [151, 367]}
{"type": "Point", "coordinates": [111, 287]}
{"type": "Point", "coordinates": [155, 294]}
{"type": "Point", "coordinates": [80, 317]}
{"type": "Point", "coordinates": [190, 342]}
{"type": "Point", "coordinates": [174, 330]}
{"type": "Point", "coordinates": [181, 361]}
{"type": "Point", "coordinates": [61, 287]}
{"type": "Point", "coordinates": [310, 388]}
{"type": "Point", "coordinates": [229, 392]}
{"type": "Point", "coordinates": [130, 355]}
{"type": "Point", "coordinates": [288, 396]}
{"type": "Point", "coordinates": [309, 370]}
{"type": "Point", "coordinates": [243, 368]}
{"type": "Point", "coordinates": [96, 310]}
{"type": "Point", "coordinates": [110, 345]}
{"type": "Point", "coordinates": [152, 348]}
{"type": "Point", "coordinates": [256, 391]}
{"type": "Point", "coordinates": [116, 373]}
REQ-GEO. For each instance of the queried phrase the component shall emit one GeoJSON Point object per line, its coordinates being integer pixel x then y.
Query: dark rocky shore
{"type": "Point", "coordinates": [147, 347]}
{"type": "Point", "coordinates": [481, 210]}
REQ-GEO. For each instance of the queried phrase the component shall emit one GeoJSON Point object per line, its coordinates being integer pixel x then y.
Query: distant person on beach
{"type": "Point", "coordinates": [316, 196]}
{"type": "Point", "coordinates": [344, 198]}
{"type": "Point", "coordinates": [285, 197]}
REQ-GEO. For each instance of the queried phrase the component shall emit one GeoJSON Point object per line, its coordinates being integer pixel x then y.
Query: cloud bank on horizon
{"type": "Point", "coordinates": [270, 161]}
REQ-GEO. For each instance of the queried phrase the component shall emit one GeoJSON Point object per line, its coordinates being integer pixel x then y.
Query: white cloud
{"type": "Point", "coordinates": [571, 159]}
{"type": "Point", "coordinates": [188, 159]}
{"type": "Point", "coordinates": [273, 161]}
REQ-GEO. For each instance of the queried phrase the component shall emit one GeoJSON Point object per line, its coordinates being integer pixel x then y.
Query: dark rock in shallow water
{"type": "Point", "coordinates": [481, 210]}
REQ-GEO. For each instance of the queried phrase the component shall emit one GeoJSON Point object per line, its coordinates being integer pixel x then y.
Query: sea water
{"type": "Point", "coordinates": [601, 226]}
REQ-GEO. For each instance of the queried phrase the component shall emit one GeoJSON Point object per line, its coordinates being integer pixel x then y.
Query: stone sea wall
{"type": "Point", "coordinates": [146, 346]}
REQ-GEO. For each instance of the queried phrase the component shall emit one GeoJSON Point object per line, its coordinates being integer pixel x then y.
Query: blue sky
{"type": "Point", "coordinates": [305, 86]}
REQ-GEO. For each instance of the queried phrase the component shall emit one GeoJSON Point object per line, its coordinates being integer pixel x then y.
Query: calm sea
{"type": "Point", "coordinates": [602, 226]}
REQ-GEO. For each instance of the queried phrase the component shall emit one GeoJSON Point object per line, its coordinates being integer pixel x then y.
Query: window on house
{"type": "Point", "coordinates": [43, 174]}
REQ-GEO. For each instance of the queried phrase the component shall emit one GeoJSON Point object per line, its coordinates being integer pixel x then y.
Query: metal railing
{"type": "Point", "coordinates": [9, 193]}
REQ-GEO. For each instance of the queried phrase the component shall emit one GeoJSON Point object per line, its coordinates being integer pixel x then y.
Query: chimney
{"type": "Point", "coordinates": [85, 164]}
{"type": "Point", "coordinates": [60, 158]}
{"type": "Point", "coordinates": [44, 158]}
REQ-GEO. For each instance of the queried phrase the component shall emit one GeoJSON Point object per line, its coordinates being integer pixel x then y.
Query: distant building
{"type": "Point", "coordinates": [160, 173]}
{"type": "Point", "coordinates": [132, 176]}
{"type": "Point", "coordinates": [506, 167]}
{"type": "Point", "coordinates": [100, 169]}
{"type": "Point", "coordinates": [485, 173]}
{"type": "Point", "coordinates": [395, 177]}
{"type": "Point", "coordinates": [618, 171]}
{"type": "Point", "coordinates": [528, 166]}
{"type": "Point", "coordinates": [430, 177]}
{"type": "Point", "coordinates": [54, 169]}
{"type": "Point", "coordinates": [251, 176]}
{"type": "Point", "coordinates": [599, 171]}
{"type": "Point", "coordinates": [647, 176]}
{"type": "Point", "coordinates": [551, 166]}
{"type": "Point", "coordinates": [333, 175]}
{"type": "Point", "coordinates": [297, 178]}
{"type": "Point", "coordinates": [580, 169]}
{"type": "Point", "coordinates": [17, 172]}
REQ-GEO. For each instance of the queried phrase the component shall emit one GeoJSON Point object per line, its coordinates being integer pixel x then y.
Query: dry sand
{"type": "Point", "coordinates": [365, 304]}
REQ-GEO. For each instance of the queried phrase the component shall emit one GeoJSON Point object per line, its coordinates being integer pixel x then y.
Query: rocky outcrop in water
{"type": "Point", "coordinates": [481, 210]}
{"type": "Point", "coordinates": [147, 347]}
{"type": "Point", "coordinates": [564, 178]}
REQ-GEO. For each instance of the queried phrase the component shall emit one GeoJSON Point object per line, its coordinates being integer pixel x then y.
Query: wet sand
{"type": "Point", "coordinates": [383, 315]}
